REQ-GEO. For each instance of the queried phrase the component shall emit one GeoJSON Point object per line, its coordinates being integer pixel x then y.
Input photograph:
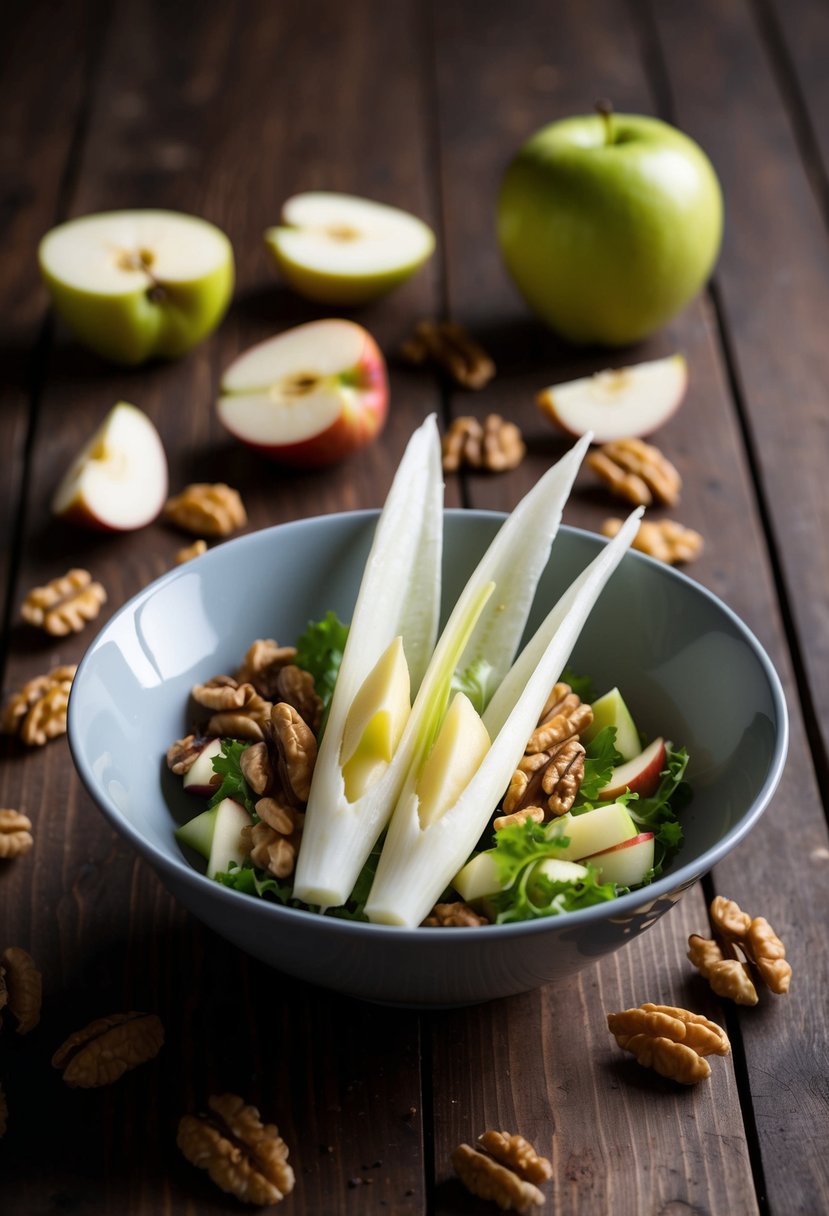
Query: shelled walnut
{"type": "Point", "coordinates": [518, 1154]}
{"type": "Point", "coordinates": [64, 605]}
{"type": "Point", "coordinates": [636, 471]}
{"type": "Point", "coordinates": [452, 348]}
{"type": "Point", "coordinates": [456, 915]}
{"type": "Point", "coordinates": [108, 1047]}
{"type": "Point", "coordinates": [494, 445]}
{"type": "Point", "coordinates": [242, 1155]}
{"type": "Point", "coordinates": [666, 540]}
{"type": "Point", "coordinates": [672, 1041]}
{"type": "Point", "coordinates": [15, 833]}
{"type": "Point", "coordinates": [22, 986]}
{"type": "Point", "coordinates": [489, 1179]}
{"type": "Point", "coordinates": [37, 712]}
{"type": "Point", "coordinates": [208, 509]}
{"type": "Point", "coordinates": [188, 552]}
{"type": "Point", "coordinates": [550, 773]}
{"type": "Point", "coordinates": [743, 952]}
{"type": "Point", "coordinates": [240, 712]}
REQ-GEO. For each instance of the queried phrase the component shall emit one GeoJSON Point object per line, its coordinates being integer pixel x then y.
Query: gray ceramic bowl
{"type": "Point", "coordinates": [687, 666]}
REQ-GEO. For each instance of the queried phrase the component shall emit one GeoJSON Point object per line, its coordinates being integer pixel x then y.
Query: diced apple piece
{"type": "Point", "coordinates": [338, 249]}
{"type": "Point", "coordinates": [201, 777]}
{"type": "Point", "coordinates": [197, 833]}
{"type": "Point", "coordinates": [375, 721]}
{"type": "Point", "coordinates": [118, 481]}
{"type": "Point", "coordinates": [593, 831]}
{"type": "Point", "coordinates": [639, 775]}
{"type": "Point", "coordinates": [460, 747]}
{"type": "Point", "coordinates": [611, 710]}
{"type": "Point", "coordinates": [478, 879]}
{"type": "Point", "coordinates": [308, 397]}
{"type": "Point", "coordinates": [627, 863]}
{"type": "Point", "coordinates": [226, 846]}
{"type": "Point", "coordinates": [560, 871]}
{"type": "Point", "coordinates": [628, 401]}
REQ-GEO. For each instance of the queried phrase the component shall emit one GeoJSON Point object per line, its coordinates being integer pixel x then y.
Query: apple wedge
{"type": "Point", "coordinates": [341, 250]}
{"type": "Point", "coordinates": [593, 831]}
{"type": "Point", "coordinates": [626, 863]}
{"type": "Point", "coordinates": [611, 710]}
{"type": "Point", "coordinates": [639, 775]}
{"type": "Point", "coordinates": [118, 481]}
{"type": "Point", "coordinates": [201, 777]}
{"type": "Point", "coordinates": [308, 397]}
{"type": "Point", "coordinates": [628, 401]}
{"type": "Point", "coordinates": [136, 284]}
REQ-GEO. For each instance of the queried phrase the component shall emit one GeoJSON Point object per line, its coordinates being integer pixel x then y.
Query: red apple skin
{"type": "Point", "coordinates": [78, 512]}
{"type": "Point", "coordinates": [624, 844]}
{"type": "Point", "coordinates": [353, 429]}
{"type": "Point", "coordinates": [644, 780]}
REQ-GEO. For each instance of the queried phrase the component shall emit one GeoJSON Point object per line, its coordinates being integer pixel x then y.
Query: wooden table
{"type": "Point", "coordinates": [225, 110]}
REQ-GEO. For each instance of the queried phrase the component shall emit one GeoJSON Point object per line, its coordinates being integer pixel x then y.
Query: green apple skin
{"type": "Point", "coordinates": [338, 290]}
{"type": "Point", "coordinates": [606, 240]}
{"type": "Point", "coordinates": [139, 325]}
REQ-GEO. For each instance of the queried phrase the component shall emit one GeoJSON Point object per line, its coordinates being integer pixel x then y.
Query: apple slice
{"type": "Point", "coordinates": [308, 397]}
{"type": "Point", "coordinates": [478, 879]}
{"type": "Point", "coordinates": [630, 401]}
{"type": "Point", "coordinates": [135, 284]}
{"type": "Point", "coordinates": [226, 846]}
{"type": "Point", "coordinates": [626, 863]}
{"type": "Point", "coordinates": [639, 775]}
{"type": "Point", "coordinates": [593, 831]}
{"type": "Point", "coordinates": [338, 249]}
{"type": "Point", "coordinates": [118, 481]}
{"type": "Point", "coordinates": [611, 710]}
{"type": "Point", "coordinates": [201, 777]}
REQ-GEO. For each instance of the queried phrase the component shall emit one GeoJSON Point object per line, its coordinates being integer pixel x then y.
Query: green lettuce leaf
{"type": "Point", "coordinates": [319, 650]}
{"type": "Point", "coordinates": [474, 681]}
{"type": "Point", "coordinates": [600, 759]}
{"type": "Point", "coordinates": [228, 765]}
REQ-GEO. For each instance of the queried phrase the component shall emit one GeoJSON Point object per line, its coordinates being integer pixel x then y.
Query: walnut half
{"type": "Point", "coordinates": [107, 1048]}
{"type": "Point", "coordinates": [242, 1155]}
{"type": "Point", "coordinates": [672, 1041]}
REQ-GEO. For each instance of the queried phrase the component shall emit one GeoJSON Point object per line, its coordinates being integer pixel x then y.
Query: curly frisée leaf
{"type": "Point", "coordinates": [319, 650]}
{"type": "Point", "coordinates": [233, 785]}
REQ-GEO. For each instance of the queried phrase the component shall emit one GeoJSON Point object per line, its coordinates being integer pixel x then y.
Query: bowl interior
{"type": "Point", "coordinates": [688, 668]}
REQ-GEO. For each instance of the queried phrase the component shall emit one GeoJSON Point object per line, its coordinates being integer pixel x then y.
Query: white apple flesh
{"type": "Point", "coordinates": [620, 403]}
{"type": "Point", "coordinates": [594, 831]}
{"type": "Point", "coordinates": [231, 819]}
{"type": "Point", "coordinates": [627, 863]}
{"type": "Point", "coordinates": [201, 777]}
{"type": "Point", "coordinates": [136, 284]}
{"type": "Point", "coordinates": [342, 250]}
{"type": "Point", "coordinates": [118, 481]}
{"type": "Point", "coordinates": [309, 396]}
{"type": "Point", "coordinates": [639, 775]}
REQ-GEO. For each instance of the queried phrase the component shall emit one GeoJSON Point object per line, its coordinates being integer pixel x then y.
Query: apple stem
{"type": "Point", "coordinates": [604, 109]}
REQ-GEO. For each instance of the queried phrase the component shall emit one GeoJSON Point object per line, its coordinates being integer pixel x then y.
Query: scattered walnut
{"type": "Point", "coordinates": [23, 986]}
{"type": "Point", "coordinates": [728, 977]}
{"type": "Point", "coordinates": [262, 664]}
{"type": "Point", "coordinates": [742, 951]}
{"type": "Point", "coordinates": [487, 1179]}
{"type": "Point", "coordinates": [528, 812]}
{"type": "Point", "coordinates": [296, 687]}
{"type": "Point", "coordinates": [518, 1154]}
{"type": "Point", "coordinates": [4, 1113]}
{"type": "Point", "coordinates": [454, 916]}
{"type": "Point", "coordinates": [452, 348]}
{"type": "Point", "coordinates": [190, 551]}
{"type": "Point", "coordinates": [297, 751]}
{"type": "Point", "coordinates": [215, 510]}
{"type": "Point", "coordinates": [637, 471]}
{"type": "Point", "coordinates": [243, 1156]}
{"type": "Point", "coordinates": [495, 445]}
{"type": "Point", "coordinates": [107, 1048]}
{"type": "Point", "coordinates": [273, 843]}
{"type": "Point", "coordinates": [37, 712]}
{"type": "Point", "coordinates": [666, 540]}
{"type": "Point", "coordinates": [670, 1040]}
{"type": "Point", "coordinates": [247, 719]}
{"type": "Point", "coordinates": [552, 768]}
{"type": "Point", "coordinates": [65, 604]}
{"type": "Point", "coordinates": [257, 768]}
{"type": "Point", "coordinates": [15, 834]}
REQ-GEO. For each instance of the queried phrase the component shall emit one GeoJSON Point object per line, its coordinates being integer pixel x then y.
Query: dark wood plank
{"type": "Point", "coordinates": [774, 289]}
{"type": "Point", "coordinates": [223, 112]}
{"type": "Point", "coordinates": [705, 441]}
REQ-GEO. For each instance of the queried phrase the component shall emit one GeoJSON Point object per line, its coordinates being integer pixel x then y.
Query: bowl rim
{"type": "Point", "coordinates": [176, 870]}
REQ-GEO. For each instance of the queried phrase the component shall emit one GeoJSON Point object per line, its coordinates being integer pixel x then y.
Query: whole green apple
{"type": "Point", "coordinates": [609, 224]}
{"type": "Point", "coordinates": [134, 285]}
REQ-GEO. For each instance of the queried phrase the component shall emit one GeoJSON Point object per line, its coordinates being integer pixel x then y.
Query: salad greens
{"type": "Point", "coordinates": [319, 650]}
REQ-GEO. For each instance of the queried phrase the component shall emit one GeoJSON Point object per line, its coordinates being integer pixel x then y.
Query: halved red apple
{"type": "Point", "coordinates": [626, 863]}
{"type": "Point", "coordinates": [308, 397]}
{"type": "Point", "coordinates": [639, 775]}
{"type": "Point", "coordinates": [617, 404]}
{"type": "Point", "coordinates": [118, 481]}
